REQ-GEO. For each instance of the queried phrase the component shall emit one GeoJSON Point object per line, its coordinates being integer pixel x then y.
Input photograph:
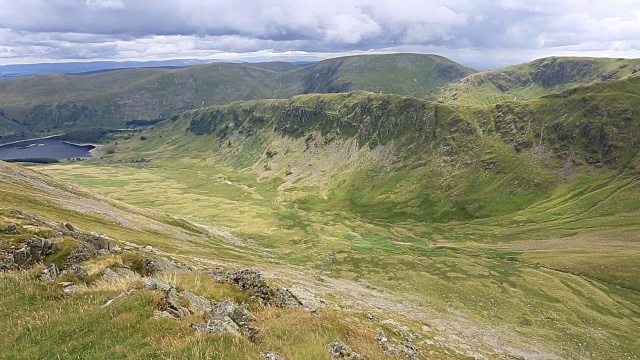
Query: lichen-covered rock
{"type": "Point", "coordinates": [76, 270]}
{"type": "Point", "coordinates": [270, 355]}
{"type": "Point", "coordinates": [100, 242]}
{"type": "Point", "coordinates": [340, 350]}
{"type": "Point", "coordinates": [222, 326]}
{"type": "Point", "coordinates": [394, 348]}
{"type": "Point", "coordinates": [112, 275]}
{"type": "Point", "coordinates": [83, 252]}
{"type": "Point", "coordinates": [157, 284]}
{"type": "Point", "coordinates": [251, 280]}
{"type": "Point", "coordinates": [154, 264]}
{"type": "Point", "coordinates": [48, 274]}
{"type": "Point", "coordinates": [11, 229]}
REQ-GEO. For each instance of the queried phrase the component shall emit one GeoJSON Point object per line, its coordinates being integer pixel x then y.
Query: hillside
{"type": "Point", "coordinates": [55, 103]}
{"type": "Point", "coordinates": [533, 80]}
{"type": "Point", "coordinates": [517, 220]}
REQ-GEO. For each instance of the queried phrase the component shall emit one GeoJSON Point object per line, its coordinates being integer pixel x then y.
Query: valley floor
{"type": "Point", "coordinates": [527, 285]}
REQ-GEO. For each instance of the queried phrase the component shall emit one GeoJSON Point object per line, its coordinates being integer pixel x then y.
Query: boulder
{"type": "Point", "coordinates": [100, 242]}
{"type": "Point", "coordinates": [83, 252]}
{"type": "Point", "coordinates": [251, 280]}
{"type": "Point", "coordinates": [340, 350]}
{"type": "Point", "coordinates": [157, 284]}
{"type": "Point", "coordinates": [224, 326]}
{"type": "Point", "coordinates": [11, 229]}
{"type": "Point", "coordinates": [69, 227]}
{"type": "Point", "coordinates": [112, 275]}
{"type": "Point", "coordinates": [48, 274]}
{"type": "Point", "coordinates": [76, 270]}
{"type": "Point", "coordinates": [154, 264]}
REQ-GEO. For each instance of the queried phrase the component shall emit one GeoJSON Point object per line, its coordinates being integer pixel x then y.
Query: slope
{"type": "Point", "coordinates": [533, 80]}
{"type": "Point", "coordinates": [521, 218]}
{"type": "Point", "coordinates": [63, 102]}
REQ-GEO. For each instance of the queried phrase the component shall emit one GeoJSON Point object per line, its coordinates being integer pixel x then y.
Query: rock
{"type": "Point", "coordinates": [39, 248]}
{"type": "Point", "coordinates": [76, 270]}
{"type": "Point", "coordinates": [74, 288]}
{"type": "Point", "coordinates": [157, 314]}
{"type": "Point", "coordinates": [409, 351]}
{"type": "Point", "coordinates": [65, 284]}
{"type": "Point", "coordinates": [340, 350]}
{"type": "Point", "coordinates": [242, 316]}
{"type": "Point", "coordinates": [154, 264]}
{"type": "Point", "coordinates": [251, 280]}
{"type": "Point", "coordinates": [11, 229]}
{"type": "Point", "coordinates": [197, 305]}
{"type": "Point", "coordinates": [100, 242]}
{"type": "Point", "coordinates": [69, 227]}
{"type": "Point", "coordinates": [157, 284]}
{"type": "Point", "coordinates": [250, 332]}
{"type": "Point", "coordinates": [83, 252]}
{"type": "Point", "coordinates": [223, 308]}
{"type": "Point", "coordinates": [112, 275]}
{"type": "Point", "coordinates": [222, 326]}
{"type": "Point", "coordinates": [270, 355]}
{"type": "Point", "coordinates": [22, 257]}
{"type": "Point", "coordinates": [48, 274]}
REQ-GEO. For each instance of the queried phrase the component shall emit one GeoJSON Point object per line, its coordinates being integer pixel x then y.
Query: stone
{"type": "Point", "coordinates": [250, 332]}
{"type": "Point", "coordinates": [223, 308]}
{"type": "Point", "coordinates": [157, 284]}
{"type": "Point", "coordinates": [394, 349]}
{"type": "Point", "coordinates": [112, 275]}
{"type": "Point", "coordinates": [154, 264]}
{"type": "Point", "coordinates": [100, 242]}
{"type": "Point", "coordinates": [157, 314]}
{"type": "Point", "coordinates": [22, 257]}
{"type": "Point", "coordinates": [11, 229]}
{"type": "Point", "coordinates": [224, 326]}
{"type": "Point", "coordinates": [39, 248]}
{"type": "Point", "coordinates": [74, 288]}
{"type": "Point", "coordinates": [242, 316]}
{"type": "Point", "coordinates": [69, 227]}
{"type": "Point", "coordinates": [197, 305]}
{"type": "Point", "coordinates": [83, 252]}
{"type": "Point", "coordinates": [76, 270]}
{"type": "Point", "coordinates": [340, 350]}
{"type": "Point", "coordinates": [270, 355]}
{"type": "Point", "coordinates": [48, 274]}
{"type": "Point", "coordinates": [251, 280]}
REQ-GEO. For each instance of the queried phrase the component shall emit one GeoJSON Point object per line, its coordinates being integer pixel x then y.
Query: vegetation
{"type": "Point", "coordinates": [35, 160]}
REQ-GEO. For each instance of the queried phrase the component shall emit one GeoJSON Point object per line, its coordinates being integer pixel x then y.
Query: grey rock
{"type": "Point", "coordinates": [197, 305]}
{"type": "Point", "coordinates": [22, 257]}
{"type": "Point", "coordinates": [154, 264]}
{"type": "Point", "coordinates": [11, 229]}
{"type": "Point", "coordinates": [73, 289]}
{"type": "Point", "coordinates": [242, 316]}
{"type": "Point", "coordinates": [65, 284]}
{"type": "Point", "coordinates": [157, 284]}
{"type": "Point", "coordinates": [222, 326]}
{"type": "Point", "coordinates": [251, 280]}
{"type": "Point", "coordinates": [394, 348]}
{"type": "Point", "coordinates": [69, 227]}
{"type": "Point", "coordinates": [48, 274]}
{"type": "Point", "coordinates": [270, 355]}
{"type": "Point", "coordinates": [340, 350]}
{"type": "Point", "coordinates": [112, 275]}
{"type": "Point", "coordinates": [157, 314]}
{"type": "Point", "coordinates": [223, 308]}
{"type": "Point", "coordinates": [100, 242]}
{"type": "Point", "coordinates": [83, 252]}
{"type": "Point", "coordinates": [77, 270]}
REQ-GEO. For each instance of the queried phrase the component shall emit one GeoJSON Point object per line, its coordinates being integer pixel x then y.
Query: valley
{"type": "Point", "coordinates": [478, 228]}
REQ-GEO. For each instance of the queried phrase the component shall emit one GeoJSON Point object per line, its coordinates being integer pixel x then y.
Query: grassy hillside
{"type": "Point", "coordinates": [533, 80]}
{"type": "Point", "coordinates": [517, 220]}
{"type": "Point", "coordinates": [55, 103]}
{"type": "Point", "coordinates": [402, 74]}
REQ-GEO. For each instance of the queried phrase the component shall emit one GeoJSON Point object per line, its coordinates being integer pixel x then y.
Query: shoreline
{"type": "Point", "coordinates": [19, 141]}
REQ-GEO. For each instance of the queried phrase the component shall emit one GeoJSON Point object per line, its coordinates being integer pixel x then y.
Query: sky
{"type": "Point", "coordinates": [480, 33]}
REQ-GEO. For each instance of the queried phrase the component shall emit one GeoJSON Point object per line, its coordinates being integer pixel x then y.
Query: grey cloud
{"type": "Point", "coordinates": [136, 28]}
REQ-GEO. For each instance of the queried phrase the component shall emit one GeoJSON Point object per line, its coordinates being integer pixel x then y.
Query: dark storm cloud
{"type": "Point", "coordinates": [59, 29]}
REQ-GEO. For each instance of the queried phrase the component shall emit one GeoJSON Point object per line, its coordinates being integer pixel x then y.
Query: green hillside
{"type": "Point", "coordinates": [517, 220]}
{"type": "Point", "coordinates": [533, 80]}
{"type": "Point", "coordinates": [55, 103]}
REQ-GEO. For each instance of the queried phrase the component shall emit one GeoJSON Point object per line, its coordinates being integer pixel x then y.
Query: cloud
{"type": "Point", "coordinates": [139, 28]}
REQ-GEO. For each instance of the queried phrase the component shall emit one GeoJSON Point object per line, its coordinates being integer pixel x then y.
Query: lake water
{"type": "Point", "coordinates": [44, 148]}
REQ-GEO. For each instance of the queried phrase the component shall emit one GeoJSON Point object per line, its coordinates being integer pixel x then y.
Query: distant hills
{"type": "Point", "coordinates": [55, 103]}
{"type": "Point", "coordinates": [534, 79]}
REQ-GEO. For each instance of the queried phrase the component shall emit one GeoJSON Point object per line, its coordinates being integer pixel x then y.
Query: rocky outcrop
{"type": "Point", "coordinates": [49, 274]}
{"type": "Point", "coordinates": [340, 350]}
{"type": "Point", "coordinates": [154, 265]}
{"type": "Point", "coordinates": [11, 229]}
{"type": "Point", "coordinates": [82, 252]}
{"type": "Point", "coordinates": [76, 270]}
{"type": "Point", "coordinates": [251, 280]}
{"type": "Point", "coordinates": [395, 348]}
{"type": "Point", "coordinates": [113, 275]}
{"type": "Point", "coordinates": [28, 254]}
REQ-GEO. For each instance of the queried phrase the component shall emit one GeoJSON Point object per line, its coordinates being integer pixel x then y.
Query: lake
{"type": "Point", "coordinates": [50, 147]}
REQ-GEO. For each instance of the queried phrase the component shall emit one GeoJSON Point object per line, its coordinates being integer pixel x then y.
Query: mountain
{"type": "Point", "coordinates": [533, 80]}
{"type": "Point", "coordinates": [64, 102]}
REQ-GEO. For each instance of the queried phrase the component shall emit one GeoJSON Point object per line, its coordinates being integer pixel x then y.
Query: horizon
{"type": "Point", "coordinates": [481, 34]}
